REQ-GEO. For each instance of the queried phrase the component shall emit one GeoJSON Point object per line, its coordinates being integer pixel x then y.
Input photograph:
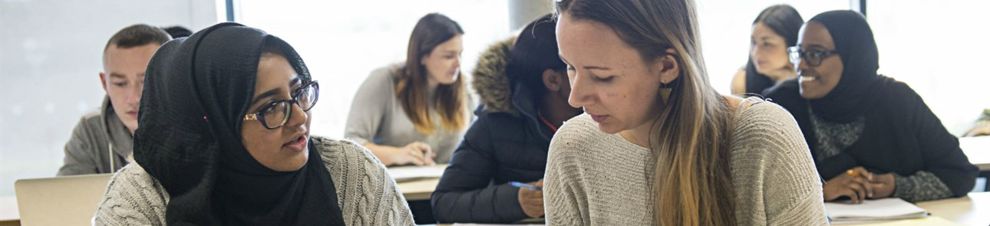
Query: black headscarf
{"type": "Point", "coordinates": [195, 97]}
{"type": "Point", "coordinates": [854, 41]}
{"type": "Point", "coordinates": [784, 20]}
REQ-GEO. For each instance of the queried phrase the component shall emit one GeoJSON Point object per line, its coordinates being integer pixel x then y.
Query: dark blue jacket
{"type": "Point", "coordinates": [506, 143]}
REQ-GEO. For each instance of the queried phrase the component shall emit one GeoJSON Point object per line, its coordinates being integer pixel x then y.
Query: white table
{"type": "Point", "coordinates": [971, 210]}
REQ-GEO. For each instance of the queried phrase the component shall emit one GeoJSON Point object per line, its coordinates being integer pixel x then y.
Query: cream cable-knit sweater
{"type": "Point", "coordinates": [365, 192]}
{"type": "Point", "coordinates": [595, 178]}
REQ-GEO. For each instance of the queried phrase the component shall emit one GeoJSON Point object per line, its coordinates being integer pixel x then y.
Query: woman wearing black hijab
{"type": "Point", "coordinates": [224, 140]}
{"type": "Point", "coordinates": [871, 136]}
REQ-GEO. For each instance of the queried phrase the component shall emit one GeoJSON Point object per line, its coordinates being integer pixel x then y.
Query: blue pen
{"type": "Point", "coordinates": [526, 186]}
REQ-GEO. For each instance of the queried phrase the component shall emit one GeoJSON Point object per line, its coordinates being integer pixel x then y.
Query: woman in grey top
{"type": "Point", "coordinates": [657, 144]}
{"type": "Point", "coordinates": [415, 112]}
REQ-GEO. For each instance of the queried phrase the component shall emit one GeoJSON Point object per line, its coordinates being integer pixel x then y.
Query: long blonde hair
{"type": "Point", "coordinates": [691, 137]}
{"type": "Point", "coordinates": [450, 101]}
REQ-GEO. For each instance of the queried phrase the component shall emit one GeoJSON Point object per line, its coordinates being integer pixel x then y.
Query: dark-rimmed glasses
{"type": "Point", "coordinates": [813, 57]}
{"type": "Point", "coordinates": [276, 113]}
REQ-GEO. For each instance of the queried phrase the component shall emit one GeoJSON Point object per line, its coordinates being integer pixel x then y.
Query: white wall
{"type": "Point", "coordinates": [521, 12]}
{"type": "Point", "coordinates": [50, 57]}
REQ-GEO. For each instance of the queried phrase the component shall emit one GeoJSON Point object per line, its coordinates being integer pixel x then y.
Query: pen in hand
{"type": "Point", "coordinates": [526, 186]}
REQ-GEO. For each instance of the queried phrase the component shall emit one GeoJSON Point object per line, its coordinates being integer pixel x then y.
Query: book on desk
{"type": "Point", "coordinates": [887, 209]}
{"type": "Point", "coordinates": [408, 173]}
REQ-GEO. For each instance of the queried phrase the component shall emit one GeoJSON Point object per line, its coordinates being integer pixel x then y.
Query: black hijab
{"type": "Point", "coordinates": [854, 41]}
{"type": "Point", "coordinates": [196, 94]}
{"type": "Point", "coordinates": [784, 20]}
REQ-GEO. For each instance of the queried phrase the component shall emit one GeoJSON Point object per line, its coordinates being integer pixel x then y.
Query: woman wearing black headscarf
{"type": "Point", "coordinates": [871, 136]}
{"type": "Point", "coordinates": [224, 140]}
{"type": "Point", "coordinates": [774, 29]}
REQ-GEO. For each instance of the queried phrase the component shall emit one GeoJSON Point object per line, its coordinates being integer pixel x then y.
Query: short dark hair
{"type": "Point", "coordinates": [177, 31]}
{"type": "Point", "coordinates": [535, 51]}
{"type": "Point", "coordinates": [137, 35]}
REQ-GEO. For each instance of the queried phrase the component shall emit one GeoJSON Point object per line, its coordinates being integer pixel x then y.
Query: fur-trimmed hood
{"type": "Point", "coordinates": [498, 92]}
{"type": "Point", "coordinates": [490, 80]}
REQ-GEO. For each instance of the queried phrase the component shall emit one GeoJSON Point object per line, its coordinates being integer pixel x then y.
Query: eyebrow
{"type": "Point", "coordinates": [122, 76]}
{"type": "Point", "coordinates": [274, 91]}
{"type": "Point", "coordinates": [295, 83]}
{"type": "Point", "coordinates": [264, 95]}
{"type": "Point", "coordinates": [585, 67]}
{"type": "Point", "coordinates": [816, 46]}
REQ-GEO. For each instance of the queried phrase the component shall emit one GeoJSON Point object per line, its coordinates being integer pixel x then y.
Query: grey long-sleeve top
{"type": "Point", "coordinates": [377, 116]}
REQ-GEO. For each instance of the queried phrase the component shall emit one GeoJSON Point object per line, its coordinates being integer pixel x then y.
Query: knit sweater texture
{"type": "Point", "coordinates": [366, 193]}
{"type": "Point", "coordinates": [595, 178]}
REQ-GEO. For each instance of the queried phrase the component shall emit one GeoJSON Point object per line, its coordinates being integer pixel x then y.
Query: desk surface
{"type": "Point", "coordinates": [973, 209]}
{"type": "Point", "coordinates": [419, 189]}
{"type": "Point", "coordinates": [414, 190]}
{"type": "Point", "coordinates": [977, 149]}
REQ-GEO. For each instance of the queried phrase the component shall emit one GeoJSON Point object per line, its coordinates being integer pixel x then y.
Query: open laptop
{"type": "Point", "coordinates": [67, 200]}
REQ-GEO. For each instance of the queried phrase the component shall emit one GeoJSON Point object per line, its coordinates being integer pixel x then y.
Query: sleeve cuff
{"type": "Point", "coordinates": [507, 206]}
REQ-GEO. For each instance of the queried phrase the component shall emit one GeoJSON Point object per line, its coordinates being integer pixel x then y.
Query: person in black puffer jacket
{"type": "Point", "coordinates": [524, 89]}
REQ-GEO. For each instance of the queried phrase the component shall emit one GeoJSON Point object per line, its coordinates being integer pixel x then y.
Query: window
{"type": "Point", "coordinates": [50, 75]}
{"type": "Point", "coordinates": [937, 48]}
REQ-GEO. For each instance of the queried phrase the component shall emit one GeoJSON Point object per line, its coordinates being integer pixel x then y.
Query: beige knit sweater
{"type": "Point", "coordinates": [595, 178]}
{"type": "Point", "coordinates": [365, 192]}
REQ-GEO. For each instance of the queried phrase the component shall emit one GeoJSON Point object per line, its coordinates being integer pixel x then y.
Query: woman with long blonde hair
{"type": "Point", "coordinates": [657, 145]}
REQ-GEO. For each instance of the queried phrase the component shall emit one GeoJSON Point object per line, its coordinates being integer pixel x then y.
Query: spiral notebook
{"type": "Point", "coordinates": [873, 210]}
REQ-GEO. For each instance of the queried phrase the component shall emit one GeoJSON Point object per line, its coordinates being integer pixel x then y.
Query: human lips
{"type": "Point", "coordinates": [598, 118]}
{"type": "Point", "coordinates": [805, 78]}
{"type": "Point", "coordinates": [297, 144]}
{"type": "Point", "coordinates": [132, 113]}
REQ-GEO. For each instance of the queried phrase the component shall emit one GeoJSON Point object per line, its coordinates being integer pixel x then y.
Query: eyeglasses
{"type": "Point", "coordinates": [813, 57]}
{"type": "Point", "coordinates": [277, 112]}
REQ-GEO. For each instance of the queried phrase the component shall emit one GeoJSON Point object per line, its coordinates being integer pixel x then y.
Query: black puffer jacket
{"type": "Point", "coordinates": [506, 143]}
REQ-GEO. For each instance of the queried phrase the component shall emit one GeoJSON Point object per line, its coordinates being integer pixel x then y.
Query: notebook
{"type": "Point", "coordinates": [407, 173]}
{"type": "Point", "coordinates": [873, 210]}
{"type": "Point", "coordinates": [68, 200]}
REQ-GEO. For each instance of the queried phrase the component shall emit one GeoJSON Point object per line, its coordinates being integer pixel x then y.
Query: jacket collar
{"type": "Point", "coordinates": [120, 138]}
